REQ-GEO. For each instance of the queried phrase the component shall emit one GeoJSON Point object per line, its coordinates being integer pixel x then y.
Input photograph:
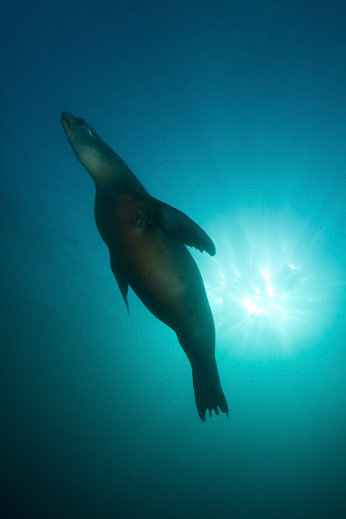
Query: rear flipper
{"type": "Point", "coordinates": [208, 391]}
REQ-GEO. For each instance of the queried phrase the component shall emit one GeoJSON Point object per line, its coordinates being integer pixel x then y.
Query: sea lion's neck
{"type": "Point", "coordinates": [102, 163]}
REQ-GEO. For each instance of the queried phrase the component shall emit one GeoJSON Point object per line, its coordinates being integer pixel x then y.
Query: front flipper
{"type": "Point", "coordinates": [122, 282]}
{"type": "Point", "coordinates": [183, 228]}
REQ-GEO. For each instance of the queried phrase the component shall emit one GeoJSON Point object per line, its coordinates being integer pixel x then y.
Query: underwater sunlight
{"type": "Point", "coordinates": [274, 286]}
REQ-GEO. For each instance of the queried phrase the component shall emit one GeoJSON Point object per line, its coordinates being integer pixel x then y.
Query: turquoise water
{"type": "Point", "coordinates": [233, 112]}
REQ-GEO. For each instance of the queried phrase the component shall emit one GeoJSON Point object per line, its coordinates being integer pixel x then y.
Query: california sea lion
{"type": "Point", "coordinates": [147, 243]}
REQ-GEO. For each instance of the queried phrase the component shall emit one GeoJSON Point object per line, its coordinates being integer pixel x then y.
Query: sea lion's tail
{"type": "Point", "coordinates": [208, 391]}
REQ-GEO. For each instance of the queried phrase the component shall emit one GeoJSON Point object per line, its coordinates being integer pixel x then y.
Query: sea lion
{"type": "Point", "coordinates": [147, 244]}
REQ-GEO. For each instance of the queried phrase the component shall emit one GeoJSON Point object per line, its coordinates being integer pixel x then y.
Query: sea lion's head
{"type": "Point", "coordinates": [78, 132]}
{"type": "Point", "coordinates": [90, 150]}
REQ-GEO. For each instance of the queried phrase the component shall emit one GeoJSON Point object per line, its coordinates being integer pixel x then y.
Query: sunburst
{"type": "Point", "coordinates": [272, 287]}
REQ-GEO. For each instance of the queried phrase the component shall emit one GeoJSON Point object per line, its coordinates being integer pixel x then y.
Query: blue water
{"type": "Point", "coordinates": [233, 112]}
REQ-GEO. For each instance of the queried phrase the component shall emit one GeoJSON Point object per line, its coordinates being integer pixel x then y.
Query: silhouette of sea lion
{"type": "Point", "coordinates": [147, 243]}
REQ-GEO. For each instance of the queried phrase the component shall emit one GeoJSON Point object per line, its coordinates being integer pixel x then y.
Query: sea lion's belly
{"type": "Point", "coordinates": [164, 275]}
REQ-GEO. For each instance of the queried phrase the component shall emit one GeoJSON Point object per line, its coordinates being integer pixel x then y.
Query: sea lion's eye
{"type": "Point", "coordinates": [79, 120]}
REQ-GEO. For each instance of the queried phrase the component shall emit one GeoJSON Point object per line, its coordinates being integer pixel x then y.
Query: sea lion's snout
{"type": "Point", "coordinates": [66, 120]}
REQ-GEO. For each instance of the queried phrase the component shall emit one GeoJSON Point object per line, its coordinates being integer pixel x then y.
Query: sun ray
{"type": "Point", "coordinates": [272, 287]}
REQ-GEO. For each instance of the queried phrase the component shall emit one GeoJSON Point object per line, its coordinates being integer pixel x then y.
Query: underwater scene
{"type": "Point", "coordinates": [173, 259]}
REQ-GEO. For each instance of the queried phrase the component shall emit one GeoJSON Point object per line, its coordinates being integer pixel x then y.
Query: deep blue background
{"type": "Point", "coordinates": [214, 105]}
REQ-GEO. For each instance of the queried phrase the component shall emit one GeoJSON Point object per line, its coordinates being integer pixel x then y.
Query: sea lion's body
{"type": "Point", "coordinates": [161, 271]}
{"type": "Point", "coordinates": [146, 240]}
